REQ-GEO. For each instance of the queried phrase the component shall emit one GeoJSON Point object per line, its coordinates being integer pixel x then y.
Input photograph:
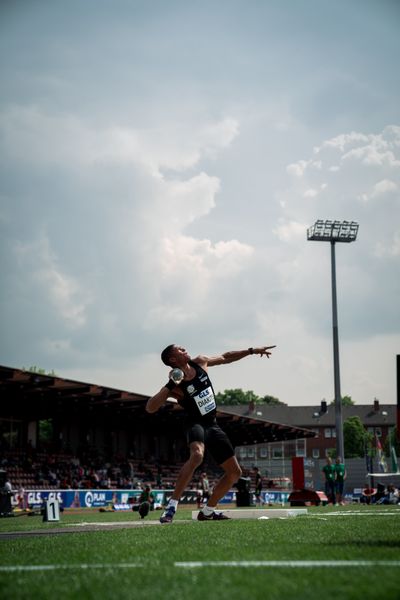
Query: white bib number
{"type": "Point", "coordinates": [205, 401]}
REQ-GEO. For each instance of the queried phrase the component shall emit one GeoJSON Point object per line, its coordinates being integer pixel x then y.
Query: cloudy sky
{"type": "Point", "coordinates": [161, 161]}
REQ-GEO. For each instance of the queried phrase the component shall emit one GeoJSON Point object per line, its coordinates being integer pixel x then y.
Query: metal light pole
{"type": "Point", "coordinates": [335, 231]}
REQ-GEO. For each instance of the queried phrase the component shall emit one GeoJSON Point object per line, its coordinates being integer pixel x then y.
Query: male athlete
{"type": "Point", "coordinates": [196, 395]}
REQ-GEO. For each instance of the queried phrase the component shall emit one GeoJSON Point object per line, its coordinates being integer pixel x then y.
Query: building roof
{"type": "Point", "coordinates": [371, 415]}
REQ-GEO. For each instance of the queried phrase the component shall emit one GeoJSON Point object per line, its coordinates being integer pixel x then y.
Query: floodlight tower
{"type": "Point", "coordinates": [335, 231]}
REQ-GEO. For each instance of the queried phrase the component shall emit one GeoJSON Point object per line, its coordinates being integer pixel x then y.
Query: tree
{"type": "Point", "coordinates": [354, 436]}
{"type": "Point", "coordinates": [39, 371]}
{"type": "Point", "coordinates": [346, 401]}
{"type": "Point", "coordinates": [271, 400]}
{"type": "Point", "coordinates": [238, 397]}
{"type": "Point", "coordinates": [46, 431]}
{"type": "Point", "coordinates": [235, 397]}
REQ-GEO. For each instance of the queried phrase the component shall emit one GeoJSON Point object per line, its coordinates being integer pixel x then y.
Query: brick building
{"type": "Point", "coordinates": [377, 418]}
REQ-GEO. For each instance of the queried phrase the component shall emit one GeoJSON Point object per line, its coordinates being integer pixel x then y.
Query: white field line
{"type": "Point", "coordinates": [110, 523]}
{"type": "Point", "coordinates": [348, 513]}
{"type": "Point", "coordinates": [345, 513]}
{"type": "Point", "coordinates": [296, 564]}
{"type": "Point", "coordinates": [83, 566]}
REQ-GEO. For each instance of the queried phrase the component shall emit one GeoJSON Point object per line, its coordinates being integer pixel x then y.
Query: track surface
{"type": "Point", "coordinates": [84, 528]}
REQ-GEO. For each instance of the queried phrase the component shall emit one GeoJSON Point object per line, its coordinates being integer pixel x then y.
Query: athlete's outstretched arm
{"type": "Point", "coordinates": [233, 356]}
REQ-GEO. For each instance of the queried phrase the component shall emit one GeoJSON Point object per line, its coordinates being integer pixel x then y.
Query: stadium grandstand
{"type": "Point", "coordinates": [56, 433]}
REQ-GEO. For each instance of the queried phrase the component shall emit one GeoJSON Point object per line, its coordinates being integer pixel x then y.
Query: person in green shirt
{"type": "Point", "coordinates": [329, 472]}
{"type": "Point", "coordinates": [146, 502]}
{"type": "Point", "coordinates": [340, 476]}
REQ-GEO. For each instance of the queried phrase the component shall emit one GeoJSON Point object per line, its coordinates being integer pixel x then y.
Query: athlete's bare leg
{"type": "Point", "coordinates": [186, 473]}
{"type": "Point", "coordinates": [232, 473]}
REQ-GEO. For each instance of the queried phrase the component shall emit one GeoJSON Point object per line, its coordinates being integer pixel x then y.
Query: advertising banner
{"type": "Point", "coordinates": [83, 498]}
{"type": "Point", "coordinates": [275, 497]}
{"type": "Point", "coordinates": [102, 498]}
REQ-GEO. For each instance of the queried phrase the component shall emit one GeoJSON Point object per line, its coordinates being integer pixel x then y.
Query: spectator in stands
{"type": "Point", "coordinates": [52, 478]}
{"type": "Point", "coordinates": [205, 487]}
{"type": "Point", "coordinates": [94, 478]}
{"type": "Point", "coordinates": [64, 484]}
{"type": "Point", "coordinates": [39, 476]}
{"type": "Point", "coordinates": [105, 483]}
{"type": "Point", "coordinates": [194, 392]}
{"type": "Point", "coordinates": [329, 472]}
{"type": "Point", "coordinates": [258, 487]}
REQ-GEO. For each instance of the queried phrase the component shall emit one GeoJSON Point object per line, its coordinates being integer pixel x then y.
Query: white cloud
{"type": "Point", "coordinates": [67, 296]}
{"type": "Point", "coordinates": [372, 155]}
{"type": "Point", "coordinates": [379, 190]}
{"type": "Point", "coordinates": [214, 136]}
{"type": "Point", "coordinates": [298, 169]}
{"type": "Point", "coordinates": [388, 249]}
{"type": "Point", "coordinates": [311, 193]}
{"type": "Point", "coordinates": [195, 271]}
{"type": "Point", "coordinates": [288, 231]}
{"type": "Point", "coordinates": [145, 216]}
{"type": "Point", "coordinates": [314, 192]}
{"type": "Point", "coordinates": [382, 187]}
{"type": "Point", "coordinates": [369, 149]}
{"type": "Point", "coordinates": [180, 202]}
{"type": "Point", "coordinates": [354, 166]}
{"type": "Point", "coordinates": [34, 136]}
{"type": "Point", "coordinates": [340, 142]}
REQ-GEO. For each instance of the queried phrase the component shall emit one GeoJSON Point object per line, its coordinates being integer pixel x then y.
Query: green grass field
{"type": "Point", "coordinates": [143, 562]}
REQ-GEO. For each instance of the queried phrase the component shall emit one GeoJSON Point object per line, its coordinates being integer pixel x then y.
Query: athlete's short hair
{"type": "Point", "coordinates": [166, 354]}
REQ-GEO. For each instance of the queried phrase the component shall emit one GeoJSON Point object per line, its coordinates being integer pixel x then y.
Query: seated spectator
{"type": "Point", "coordinates": [368, 495]}
{"type": "Point", "coordinates": [391, 496]}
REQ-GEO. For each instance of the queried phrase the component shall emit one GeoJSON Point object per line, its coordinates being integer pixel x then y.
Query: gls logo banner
{"type": "Point", "coordinates": [36, 498]}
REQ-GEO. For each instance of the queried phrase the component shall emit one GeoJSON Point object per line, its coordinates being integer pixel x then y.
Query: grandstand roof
{"type": "Point", "coordinates": [31, 396]}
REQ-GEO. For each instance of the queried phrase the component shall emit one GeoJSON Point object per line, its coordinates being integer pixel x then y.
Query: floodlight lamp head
{"type": "Point", "coordinates": [333, 231]}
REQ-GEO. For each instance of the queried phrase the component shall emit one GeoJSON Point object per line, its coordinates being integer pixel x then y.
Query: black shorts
{"type": "Point", "coordinates": [214, 439]}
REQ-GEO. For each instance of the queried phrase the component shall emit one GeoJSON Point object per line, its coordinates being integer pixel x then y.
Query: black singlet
{"type": "Point", "coordinates": [198, 397]}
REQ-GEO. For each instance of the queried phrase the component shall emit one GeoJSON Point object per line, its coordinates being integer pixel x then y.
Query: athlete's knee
{"type": "Point", "coordinates": [233, 471]}
{"type": "Point", "coordinates": [236, 472]}
{"type": "Point", "coordinates": [196, 456]}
